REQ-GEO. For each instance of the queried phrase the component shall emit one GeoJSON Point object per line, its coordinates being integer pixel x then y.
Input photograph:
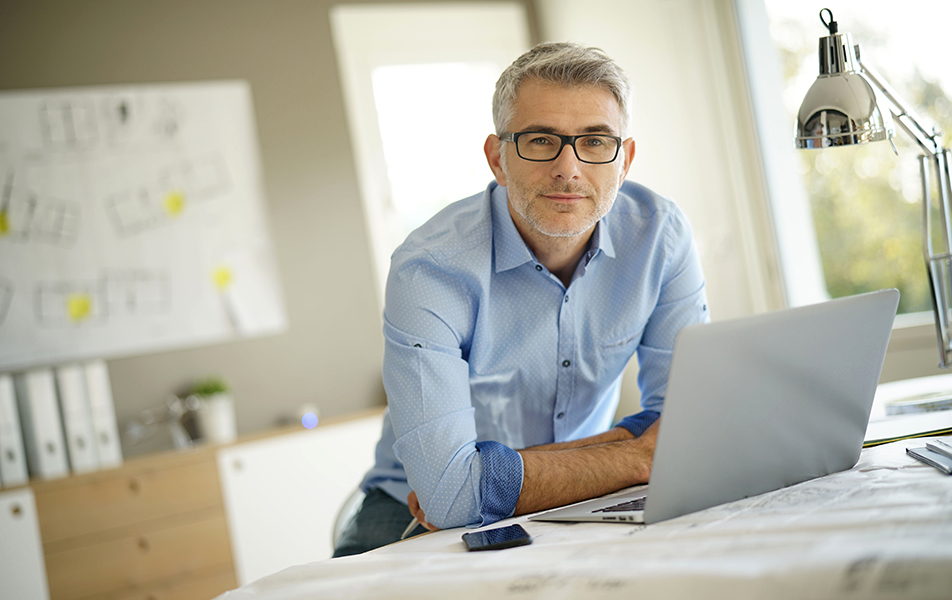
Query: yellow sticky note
{"type": "Point", "coordinates": [79, 306]}
{"type": "Point", "coordinates": [4, 223]}
{"type": "Point", "coordinates": [222, 276]}
{"type": "Point", "coordinates": [174, 203]}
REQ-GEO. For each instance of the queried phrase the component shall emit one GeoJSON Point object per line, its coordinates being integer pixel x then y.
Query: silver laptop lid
{"type": "Point", "coordinates": [764, 402]}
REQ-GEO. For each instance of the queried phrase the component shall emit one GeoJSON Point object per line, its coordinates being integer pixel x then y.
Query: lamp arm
{"type": "Point", "coordinates": [936, 161]}
{"type": "Point", "coordinates": [908, 118]}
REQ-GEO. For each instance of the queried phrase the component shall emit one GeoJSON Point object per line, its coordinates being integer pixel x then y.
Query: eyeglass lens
{"type": "Point", "coordinates": [589, 148]}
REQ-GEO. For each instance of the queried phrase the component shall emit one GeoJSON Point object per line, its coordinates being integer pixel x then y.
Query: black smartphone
{"type": "Point", "coordinates": [497, 539]}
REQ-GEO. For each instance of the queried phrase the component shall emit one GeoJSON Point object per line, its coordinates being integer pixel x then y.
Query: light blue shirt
{"type": "Point", "coordinates": [487, 352]}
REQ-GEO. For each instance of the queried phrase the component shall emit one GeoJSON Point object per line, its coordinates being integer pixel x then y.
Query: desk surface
{"type": "Point", "coordinates": [881, 530]}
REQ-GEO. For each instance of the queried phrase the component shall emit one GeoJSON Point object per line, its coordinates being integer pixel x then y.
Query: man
{"type": "Point", "coordinates": [510, 316]}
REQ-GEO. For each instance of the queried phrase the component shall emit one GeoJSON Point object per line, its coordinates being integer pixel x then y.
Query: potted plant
{"type": "Point", "coordinates": [216, 410]}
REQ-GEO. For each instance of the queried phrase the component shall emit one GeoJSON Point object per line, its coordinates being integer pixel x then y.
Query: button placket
{"type": "Point", "coordinates": [565, 374]}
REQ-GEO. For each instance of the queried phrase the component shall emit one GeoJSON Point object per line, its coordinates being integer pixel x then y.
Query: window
{"type": "Point", "coordinates": [865, 200]}
{"type": "Point", "coordinates": [436, 133]}
{"type": "Point", "coordinates": [411, 74]}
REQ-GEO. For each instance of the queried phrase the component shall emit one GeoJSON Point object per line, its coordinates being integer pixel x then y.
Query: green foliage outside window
{"type": "Point", "coordinates": [870, 237]}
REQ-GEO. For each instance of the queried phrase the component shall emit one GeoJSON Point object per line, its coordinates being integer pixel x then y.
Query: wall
{"type": "Point", "coordinates": [331, 354]}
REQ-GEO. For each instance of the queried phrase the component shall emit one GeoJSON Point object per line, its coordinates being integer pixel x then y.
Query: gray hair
{"type": "Point", "coordinates": [563, 63]}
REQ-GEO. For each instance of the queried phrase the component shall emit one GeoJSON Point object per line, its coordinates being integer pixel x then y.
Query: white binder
{"type": "Point", "coordinates": [77, 419]}
{"type": "Point", "coordinates": [42, 429]}
{"type": "Point", "coordinates": [103, 410]}
{"type": "Point", "coordinates": [12, 459]}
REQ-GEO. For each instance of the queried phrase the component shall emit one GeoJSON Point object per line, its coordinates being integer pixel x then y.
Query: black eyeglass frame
{"type": "Point", "coordinates": [567, 140]}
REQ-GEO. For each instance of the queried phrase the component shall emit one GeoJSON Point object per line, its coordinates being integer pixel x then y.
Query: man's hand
{"type": "Point", "coordinates": [414, 505]}
{"type": "Point", "coordinates": [556, 477]}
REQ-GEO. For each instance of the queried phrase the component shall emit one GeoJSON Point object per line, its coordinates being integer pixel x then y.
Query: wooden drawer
{"type": "Point", "coordinates": [137, 492]}
{"type": "Point", "coordinates": [201, 586]}
{"type": "Point", "coordinates": [171, 549]}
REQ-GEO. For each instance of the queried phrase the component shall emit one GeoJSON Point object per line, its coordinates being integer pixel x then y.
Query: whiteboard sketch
{"type": "Point", "coordinates": [27, 216]}
{"type": "Point", "coordinates": [6, 296]}
{"type": "Point", "coordinates": [163, 199]}
{"type": "Point", "coordinates": [131, 220]}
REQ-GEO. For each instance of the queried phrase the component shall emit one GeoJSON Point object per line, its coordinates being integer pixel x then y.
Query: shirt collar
{"type": "Point", "coordinates": [601, 240]}
{"type": "Point", "coordinates": [510, 250]}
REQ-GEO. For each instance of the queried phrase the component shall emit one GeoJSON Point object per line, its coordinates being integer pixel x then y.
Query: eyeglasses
{"type": "Point", "coordinates": [539, 146]}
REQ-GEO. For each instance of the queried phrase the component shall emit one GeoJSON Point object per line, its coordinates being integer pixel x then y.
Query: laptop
{"type": "Point", "coordinates": [757, 404]}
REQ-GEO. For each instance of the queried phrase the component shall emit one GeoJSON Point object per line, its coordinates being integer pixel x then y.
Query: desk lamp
{"type": "Point", "coordinates": [845, 106]}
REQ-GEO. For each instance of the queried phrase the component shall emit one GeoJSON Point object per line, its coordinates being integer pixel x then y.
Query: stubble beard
{"type": "Point", "coordinates": [527, 205]}
{"type": "Point", "coordinates": [530, 205]}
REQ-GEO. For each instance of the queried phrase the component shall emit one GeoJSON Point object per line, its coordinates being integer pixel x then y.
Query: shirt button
{"type": "Point", "coordinates": [538, 267]}
{"type": "Point", "coordinates": [566, 363]}
{"type": "Point", "coordinates": [566, 299]}
{"type": "Point", "coordinates": [560, 415]}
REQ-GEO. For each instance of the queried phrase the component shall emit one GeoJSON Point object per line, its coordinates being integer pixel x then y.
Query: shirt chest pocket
{"type": "Point", "coordinates": [623, 344]}
{"type": "Point", "coordinates": [613, 355]}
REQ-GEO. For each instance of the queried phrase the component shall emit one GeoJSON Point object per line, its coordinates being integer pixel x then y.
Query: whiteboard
{"type": "Point", "coordinates": [131, 220]}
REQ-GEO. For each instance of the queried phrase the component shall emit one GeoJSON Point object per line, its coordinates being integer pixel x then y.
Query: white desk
{"type": "Point", "coordinates": [880, 530]}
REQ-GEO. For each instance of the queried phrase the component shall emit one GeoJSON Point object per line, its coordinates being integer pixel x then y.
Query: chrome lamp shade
{"type": "Point", "coordinates": [841, 107]}
{"type": "Point", "coordinates": [841, 110]}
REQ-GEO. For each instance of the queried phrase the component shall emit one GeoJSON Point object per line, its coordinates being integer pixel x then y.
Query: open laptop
{"type": "Point", "coordinates": [757, 404]}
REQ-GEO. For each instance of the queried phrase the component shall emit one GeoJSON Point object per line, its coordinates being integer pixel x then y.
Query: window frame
{"type": "Point", "coordinates": [367, 36]}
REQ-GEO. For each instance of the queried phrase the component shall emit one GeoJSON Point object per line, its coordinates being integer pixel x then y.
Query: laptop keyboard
{"type": "Point", "coordinates": [636, 504]}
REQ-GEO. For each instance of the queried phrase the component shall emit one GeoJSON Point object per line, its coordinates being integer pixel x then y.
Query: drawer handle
{"type": "Point", "coordinates": [134, 486]}
{"type": "Point", "coordinates": [16, 510]}
{"type": "Point", "coordinates": [144, 544]}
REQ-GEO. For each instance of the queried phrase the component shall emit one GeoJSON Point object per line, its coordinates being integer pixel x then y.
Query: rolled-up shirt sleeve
{"type": "Point", "coordinates": [458, 481]}
{"type": "Point", "coordinates": [638, 423]}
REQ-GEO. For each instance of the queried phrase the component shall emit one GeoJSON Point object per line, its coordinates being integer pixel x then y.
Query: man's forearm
{"type": "Point", "coordinates": [615, 434]}
{"type": "Point", "coordinates": [556, 477]}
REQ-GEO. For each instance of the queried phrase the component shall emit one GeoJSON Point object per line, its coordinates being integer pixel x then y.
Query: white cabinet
{"type": "Point", "coordinates": [282, 494]}
{"type": "Point", "coordinates": [22, 570]}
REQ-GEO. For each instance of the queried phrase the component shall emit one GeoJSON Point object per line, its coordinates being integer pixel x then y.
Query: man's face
{"type": "Point", "coordinates": [564, 197]}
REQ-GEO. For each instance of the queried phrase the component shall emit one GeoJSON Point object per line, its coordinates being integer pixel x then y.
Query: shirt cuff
{"type": "Point", "coordinates": [501, 481]}
{"type": "Point", "coordinates": [637, 424]}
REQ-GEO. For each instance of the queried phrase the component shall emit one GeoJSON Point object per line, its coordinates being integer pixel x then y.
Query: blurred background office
{"type": "Point", "coordinates": [349, 102]}
{"type": "Point", "coordinates": [348, 96]}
